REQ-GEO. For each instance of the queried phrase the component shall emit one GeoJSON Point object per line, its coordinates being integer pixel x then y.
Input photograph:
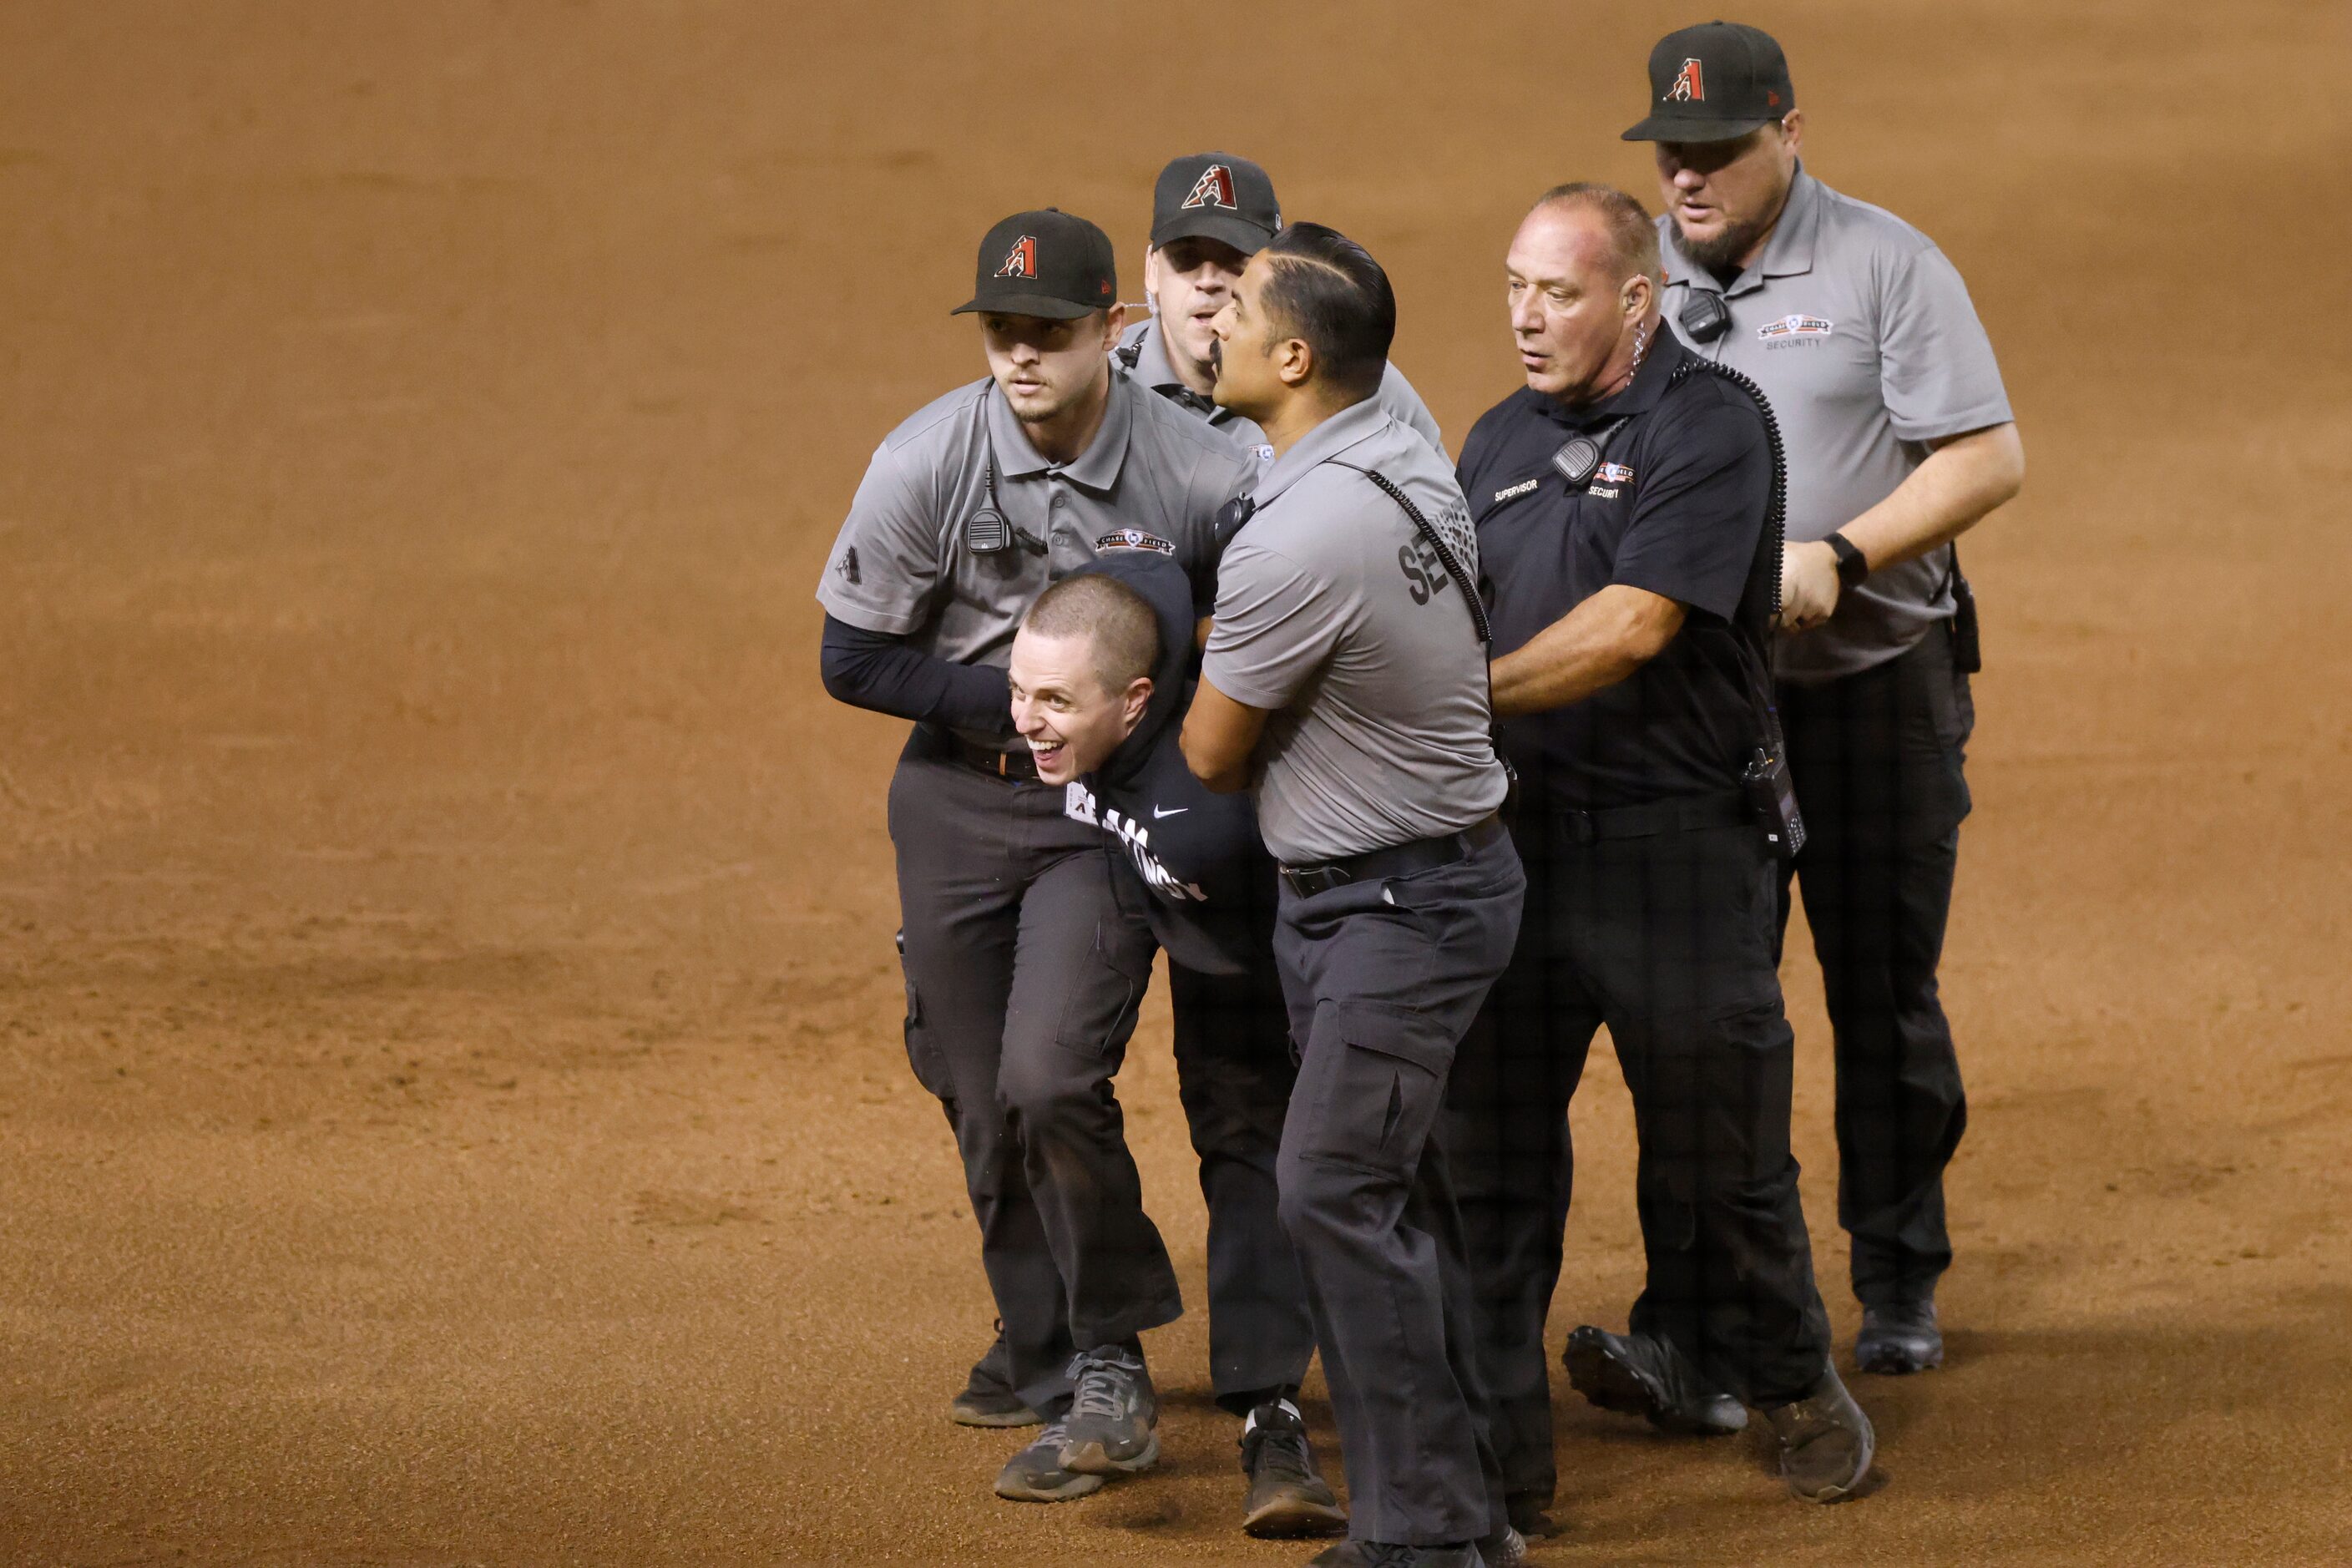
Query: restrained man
{"type": "Point", "coordinates": [1023, 969]}
{"type": "Point", "coordinates": [1345, 681]}
{"type": "Point", "coordinates": [1623, 499]}
{"type": "Point", "coordinates": [1099, 674]}
{"type": "Point", "coordinates": [1899, 439]}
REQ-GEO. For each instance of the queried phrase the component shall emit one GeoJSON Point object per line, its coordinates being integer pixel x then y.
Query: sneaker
{"type": "Point", "coordinates": [1825, 1441]}
{"type": "Point", "coordinates": [1035, 1473]}
{"type": "Point", "coordinates": [1639, 1375]}
{"type": "Point", "coordinates": [1900, 1338]}
{"type": "Point", "coordinates": [1507, 1548]}
{"type": "Point", "coordinates": [1114, 1420]}
{"type": "Point", "coordinates": [1530, 1516]}
{"type": "Point", "coordinates": [1287, 1495]}
{"type": "Point", "coordinates": [1382, 1554]}
{"type": "Point", "coordinates": [988, 1399]}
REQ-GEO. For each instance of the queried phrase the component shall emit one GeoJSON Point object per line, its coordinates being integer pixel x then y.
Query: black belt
{"type": "Point", "coordinates": [1399, 860]}
{"type": "Point", "coordinates": [1681, 815]}
{"type": "Point", "coordinates": [1018, 764]}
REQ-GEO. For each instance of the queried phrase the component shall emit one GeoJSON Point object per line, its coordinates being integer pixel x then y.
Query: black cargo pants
{"type": "Point", "coordinates": [1666, 937]}
{"type": "Point", "coordinates": [1876, 758]}
{"type": "Point", "coordinates": [1382, 978]}
{"type": "Point", "coordinates": [1025, 970]}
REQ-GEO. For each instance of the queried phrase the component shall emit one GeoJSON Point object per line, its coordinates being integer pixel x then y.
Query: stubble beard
{"type": "Point", "coordinates": [1722, 252]}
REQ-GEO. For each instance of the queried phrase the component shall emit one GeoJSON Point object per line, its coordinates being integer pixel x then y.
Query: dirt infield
{"type": "Point", "coordinates": [451, 1102]}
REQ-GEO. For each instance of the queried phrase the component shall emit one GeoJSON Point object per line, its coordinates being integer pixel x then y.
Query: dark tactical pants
{"type": "Point", "coordinates": [1235, 1074]}
{"type": "Point", "coordinates": [1024, 973]}
{"type": "Point", "coordinates": [1668, 940]}
{"type": "Point", "coordinates": [1382, 978]}
{"type": "Point", "coordinates": [1876, 758]}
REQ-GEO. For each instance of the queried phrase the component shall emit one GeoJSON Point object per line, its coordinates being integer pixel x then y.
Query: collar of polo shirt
{"type": "Point", "coordinates": [1787, 254]}
{"type": "Point", "coordinates": [1097, 468]}
{"type": "Point", "coordinates": [1326, 441]}
{"type": "Point", "coordinates": [1649, 385]}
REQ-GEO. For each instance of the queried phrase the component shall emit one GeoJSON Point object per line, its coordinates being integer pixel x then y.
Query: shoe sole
{"type": "Point", "coordinates": [1888, 1361]}
{"type": "Point", "coordinates": [973, 1416]}
{"type": "Point", "coordinates": [1853, 1483]}
{"type": "Point", "coordinates": [1094, 1459]}
{"type": "Point", "coordinates": [1075, 1487]}
{"type": "Point", "coordinates": [1293, 1516]}
{"type": "Point", "coordinates": [1610, 1384]}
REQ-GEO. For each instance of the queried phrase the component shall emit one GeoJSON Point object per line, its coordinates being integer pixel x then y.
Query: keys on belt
{"type": "Point", "coordinates": [1399, 860]}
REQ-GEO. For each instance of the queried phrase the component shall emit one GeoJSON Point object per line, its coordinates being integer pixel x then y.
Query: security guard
{"type": "Point", "coordinates": [1211, 212]}
{"type": "Point", "coordinates": [1345, 679]}
{"type": "Point", "coordinates": [1623, 499]}
{"type": "Point", "coordinates": [1023, 969]}
{"type": "Point", "coordinates": [1899, 439]}
{"type": "Point", "coordinates": [1100, 673]}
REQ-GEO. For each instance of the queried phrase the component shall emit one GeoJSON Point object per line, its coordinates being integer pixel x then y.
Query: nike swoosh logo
{"type": "Point", "coordinates": [1160, 811]}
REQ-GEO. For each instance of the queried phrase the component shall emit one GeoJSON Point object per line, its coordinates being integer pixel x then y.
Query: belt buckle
{"type": "Point", "coordinates": [1308, 880]}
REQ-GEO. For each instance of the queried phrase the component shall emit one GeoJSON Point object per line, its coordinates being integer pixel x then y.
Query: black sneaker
{"type": "Point", "coordinates": [1035, 1473]}
{"type": "Point", "coordinates": [988, 1399]}
{"type": "Point", "coordinates": [1114, 1420]}
{"type": "Point", "coordinates": [1287, 1495]}
{"type": "Point", "coordinates": [1826, 1442]}
{"type": "Point", "coordinates": [1642, 1377]}
{"type": "Point", "coordinates": [1900, 1338]}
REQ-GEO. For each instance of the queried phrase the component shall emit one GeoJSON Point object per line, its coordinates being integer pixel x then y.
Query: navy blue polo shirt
{"type": "Point", "coordinates": [1677, 506]}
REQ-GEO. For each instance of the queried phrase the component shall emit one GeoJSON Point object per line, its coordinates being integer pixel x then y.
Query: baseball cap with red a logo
{"type": "Point", "coordinates": [1217, 196]}
{"type": "Point", "coordinates": [1713, 83]}
{"type": "Point", "coordinates": [1045, 264]}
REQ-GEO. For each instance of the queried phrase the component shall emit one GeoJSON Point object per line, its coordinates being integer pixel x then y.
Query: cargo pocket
{"type": "Point", "coordinates": [1098, 1011]}
{"type": "Point", "coordinates": [1381, 1094]}
{"type": "Point", "coordinates": [923, 1052]}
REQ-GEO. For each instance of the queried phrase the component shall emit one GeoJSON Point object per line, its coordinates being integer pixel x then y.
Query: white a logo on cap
{"type": "Point", "coordinates": [1214, 188]}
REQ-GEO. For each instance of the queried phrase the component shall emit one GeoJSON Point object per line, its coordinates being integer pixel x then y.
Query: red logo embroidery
{"type": "Point", "coordinates": [1690, 84]}
{"type": "Point", "coordinates": [1021, 262]}
{"type": "Point", "coordinates": [1214, 188]}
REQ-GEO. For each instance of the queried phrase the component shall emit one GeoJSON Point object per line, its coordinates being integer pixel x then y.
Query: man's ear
{"type": "Point", "coordinates": [1137, 698]}
{"type": "Point", "coordinates": [1151, 275]}
{"type": "Point", "coordinates": [1640, 291]}
{"type": "Point", "coordinates": [1294, 361]}
{"type": "Point", "coordinates": [1114, 321]}
{"type": "Point", "coordinates": [1792, 130]}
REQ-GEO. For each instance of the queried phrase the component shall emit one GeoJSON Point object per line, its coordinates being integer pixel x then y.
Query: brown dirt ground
{"type": "Point", "coordinates": [450, 1090]}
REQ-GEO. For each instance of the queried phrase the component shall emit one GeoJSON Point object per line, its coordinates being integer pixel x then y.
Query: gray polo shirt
{"type": "Point", "coordinates": [1860, 333]}
{"type": "Point", "coordinates": [1152, 477]}
{"type": "Point", "coordinates": [1334, 613]}
{"type": "Point", "coordinates": [1143, 353]}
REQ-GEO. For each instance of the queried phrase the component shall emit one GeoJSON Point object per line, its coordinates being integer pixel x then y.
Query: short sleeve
{"type": "Point", "coordinates": [1936, 366]}
{"type": "Point", "coordinates": [1698, 514]}
{"type": "Point", "coordinates": [1276, 626]}
{"type": "Point", "coordinates": [884, 567]}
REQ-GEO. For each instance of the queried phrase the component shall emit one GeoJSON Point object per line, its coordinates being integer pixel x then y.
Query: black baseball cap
{"type": "Point", "coordinates": [1044, 264]}
{"type": "Point", "coordinates": [1713, 83]}
{"type": "Point", "coordinates": [1217, 195]}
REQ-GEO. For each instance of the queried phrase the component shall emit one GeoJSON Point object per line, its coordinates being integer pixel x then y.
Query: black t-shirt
{"type": "Point", "coordinates": [1677, 506]}
{"type": "Point", "coordinates": [1199, 856]}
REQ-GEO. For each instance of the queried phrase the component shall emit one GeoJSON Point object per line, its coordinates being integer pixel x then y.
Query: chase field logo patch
{"type": "Point", "coordinates": [1214, 188]}
{"type": "Point", "coordinates": [1614, 474]}
{"type": "Point", "coordinates": [1794, 327]}
{"type": "Point", "coordinates": [1021, 262]}
{"type": "Point", "coordinates": [1134, 538]}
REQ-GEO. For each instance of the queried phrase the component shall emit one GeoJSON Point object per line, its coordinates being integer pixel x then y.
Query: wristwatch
{"type": "Point", "coordinates": [1853, 565]}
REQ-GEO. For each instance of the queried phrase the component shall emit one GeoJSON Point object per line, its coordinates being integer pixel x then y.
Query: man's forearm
{"type": "Point", "coordinates": [1945, 496]}
{"type": "Point", "coordinates": [1596, 645]}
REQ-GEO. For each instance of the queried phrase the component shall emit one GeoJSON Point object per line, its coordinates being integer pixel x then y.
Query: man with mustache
{"type": "Point", "coordinates": [1024, 968]}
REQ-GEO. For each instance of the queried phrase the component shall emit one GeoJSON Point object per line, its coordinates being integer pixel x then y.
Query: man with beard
{"type": "Point", "coordinates": [1623, 500]}
{"type": "Point", "coordinates": [1899, 439]}
{"type": "Point", "coordinates": [1211, 212]}
{"type": "Point", "coordinates": [1023, 967]}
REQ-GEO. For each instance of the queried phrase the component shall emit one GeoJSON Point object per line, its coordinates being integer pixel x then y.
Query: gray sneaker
{"type": "Point", "coordinates": [1642, 1377]}
{"type": "Point", "coordinates": [1900, 1338]}
{"type": "Point", "coordinates": [1507, 1548]}
{"type": "Point", "coordinates": [1035, 1473]}
{"type": "Point", "coordinates": [1825, 1440]}
{"type": "Point", "coordinates": [988, 1399]}
{"type": "Point", "coordinates": [1287, 1494]}
{"type": "Point", "coordinates": [1114, 1420]}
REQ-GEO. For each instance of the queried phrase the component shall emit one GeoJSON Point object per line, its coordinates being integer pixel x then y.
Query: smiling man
{"type": "Point", "coordinates": [1211, 212]}
{"type": "Point", "coordinates": [1024, 967]}
{"type": "Point", "coordinates": [1899, 439]}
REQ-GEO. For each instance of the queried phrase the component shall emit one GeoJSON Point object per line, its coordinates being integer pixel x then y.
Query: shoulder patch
{"type": "Point", "coordinates": [1134, 538]}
